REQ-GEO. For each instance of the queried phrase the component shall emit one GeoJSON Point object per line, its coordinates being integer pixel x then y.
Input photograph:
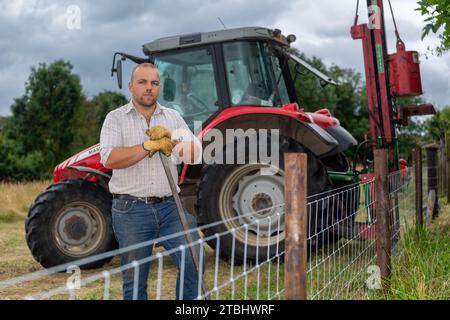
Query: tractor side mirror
{"type": "Point", "coordinates": [169, 89]}
{"type": "Point", "coordinates": [117, 65]}
{"type": "Point", "coordinates": [119, 73]}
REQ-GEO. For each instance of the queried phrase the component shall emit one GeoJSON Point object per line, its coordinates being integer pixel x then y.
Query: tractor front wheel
{"type": "Point", "coordinates": [69, 221]}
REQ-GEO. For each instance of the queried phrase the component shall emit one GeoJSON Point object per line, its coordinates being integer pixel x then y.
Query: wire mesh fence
{"type": "Point", "coordinates": [341, 240]}
{"type": "Point", "coordinates": [424, 185]}
{"type": "Point", "coordinates": [344, 266]}
{"type": "Point", "coordinates": [252, 272]}
{"type": "Point", "coordinates": [402, 203]}
{"type": "Point", "coordinates": [340, 254]}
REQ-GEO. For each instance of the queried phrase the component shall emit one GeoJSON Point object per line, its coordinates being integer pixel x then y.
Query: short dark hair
{"type": "Point", "coordinates": [145, 65]}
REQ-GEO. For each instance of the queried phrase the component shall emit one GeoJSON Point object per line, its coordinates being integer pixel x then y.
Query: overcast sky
{"type": "Point", "coordinates": [35, 31]}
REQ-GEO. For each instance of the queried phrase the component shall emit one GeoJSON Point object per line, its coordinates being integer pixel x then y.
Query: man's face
{"type": "Point", "coordinates": [145, 86]}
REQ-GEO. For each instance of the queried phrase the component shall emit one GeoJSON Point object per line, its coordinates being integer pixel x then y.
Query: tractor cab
{"type": "Point", "coordinates": [203, 73]}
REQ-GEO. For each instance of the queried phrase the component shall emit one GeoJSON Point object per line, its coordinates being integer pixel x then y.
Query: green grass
{"type": "Point", "coordinates": [421, 269]}
{"type": "Point", "coordinates": [9, 216]}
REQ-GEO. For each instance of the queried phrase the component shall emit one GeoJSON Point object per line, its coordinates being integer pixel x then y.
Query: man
{"type": "Point", "coordinates": [143, 207]}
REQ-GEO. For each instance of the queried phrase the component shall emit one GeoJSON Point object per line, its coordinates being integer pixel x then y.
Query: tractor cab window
{"type": "Point", "coordinates": [188, 84]}
{"type": "Point", "coordinates": [254, 75]}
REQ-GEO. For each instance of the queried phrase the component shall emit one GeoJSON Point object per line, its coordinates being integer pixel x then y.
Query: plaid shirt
{"type": "Point", "coordinates": [125, 127]}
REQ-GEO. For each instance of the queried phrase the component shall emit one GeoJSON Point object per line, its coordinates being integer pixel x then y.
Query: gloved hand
{"type": "Point", "coordinates": [165, 145]}
{"type": "Point", "coordinates": [158, 132]}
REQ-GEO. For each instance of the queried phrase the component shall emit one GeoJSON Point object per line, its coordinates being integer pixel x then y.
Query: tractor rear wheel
{"type": "Point", "coordinates": [241, 194]}
{"type": "Point", "coordinates": [69, 221]}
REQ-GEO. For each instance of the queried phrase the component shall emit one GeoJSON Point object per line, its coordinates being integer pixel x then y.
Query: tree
{"type": "Point", "coordinates": [439, 125]}
{"type": "Point", "coordinates": [50, 122]}
{"type": "Point", "coordinates": [351, 101]}
{"type": "Point", "coordinates": [311, 95]}
{"type": "Point", "coordinates": [41, 125]}
{"type": "Point", "coordinates": [347, 101]}
{"type": "Point", "coordinates": [107, 101]}
{"type": "Point", "coordinates": [437, 18]}
{"type": "Point", "coordinates": [88, 119]}
{"type": "Point", "coordinates": [15, 166]}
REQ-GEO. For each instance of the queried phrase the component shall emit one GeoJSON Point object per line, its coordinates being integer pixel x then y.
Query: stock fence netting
{"type": "Point", "coordinates": [341, 240]}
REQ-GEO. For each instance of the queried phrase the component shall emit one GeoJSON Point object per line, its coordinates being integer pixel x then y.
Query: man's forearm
{"type": "Point", "coordinates": [124, 157]}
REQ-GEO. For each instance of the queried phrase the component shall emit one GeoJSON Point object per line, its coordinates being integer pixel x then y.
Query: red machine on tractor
{"type": "Point", "coordinates": [231, 79]}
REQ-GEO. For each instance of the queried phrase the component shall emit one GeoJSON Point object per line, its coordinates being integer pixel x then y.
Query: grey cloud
{"type": "Point", "coordinates": [38, 33]}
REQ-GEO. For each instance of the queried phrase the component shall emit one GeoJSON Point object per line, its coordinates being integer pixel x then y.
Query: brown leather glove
{"type": "Point", "coordinates": [165, 145]}
{"type": "Point", "coordinates": [158, 132]}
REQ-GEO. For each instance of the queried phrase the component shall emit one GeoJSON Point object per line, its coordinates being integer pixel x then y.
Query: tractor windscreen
{"type": "Point", "coordinates": [188, 84]}
{"type": "Point", "coordinates": [254, 74]}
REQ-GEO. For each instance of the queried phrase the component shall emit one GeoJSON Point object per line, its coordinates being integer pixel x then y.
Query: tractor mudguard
{"type": "Point", "coordinates": [87, 173]}
{"type": "Point", "coordinates": [310, 135]}
{"type": "Point", "coordinates": [344, 138]}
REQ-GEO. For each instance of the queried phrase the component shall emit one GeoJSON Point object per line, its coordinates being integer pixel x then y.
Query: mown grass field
{"type": "Point", "coordinates": [421, 267]}
{"type": "Point", "coordinates": [16, 260]}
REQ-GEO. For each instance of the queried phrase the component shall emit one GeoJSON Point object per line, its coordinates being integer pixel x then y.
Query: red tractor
{"type": "Point", "coordinates": [228, 79]}
{"type": "Point", "coordinates": [235, 79]}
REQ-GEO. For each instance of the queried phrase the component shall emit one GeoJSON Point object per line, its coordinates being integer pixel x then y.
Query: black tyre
{"type": "Point", "coordinates": [239, 194]}
{"type": "Point", "coordinates": [69, 221]}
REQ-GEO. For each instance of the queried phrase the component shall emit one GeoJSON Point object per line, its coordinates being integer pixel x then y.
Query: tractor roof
{"type": "Point", "coordinates": [196, 39]}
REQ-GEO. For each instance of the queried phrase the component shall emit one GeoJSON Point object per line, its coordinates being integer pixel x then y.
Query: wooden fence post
{"type": "Point", "coordinates": [296, 226]}
{"type": "Point", "coordinates": [417, 158]}
{"type": "Point", "coordinates": [383, 224]}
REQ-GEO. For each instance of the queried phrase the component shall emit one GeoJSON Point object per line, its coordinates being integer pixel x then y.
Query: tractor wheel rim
{"type": "Point", "coordinates": [79, 229]}
{"type": "Point", "coordinates": [251, 202]}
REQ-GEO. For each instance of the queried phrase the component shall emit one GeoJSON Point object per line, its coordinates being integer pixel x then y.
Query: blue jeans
{"type": "Point", "coordinates": [134, 222]}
